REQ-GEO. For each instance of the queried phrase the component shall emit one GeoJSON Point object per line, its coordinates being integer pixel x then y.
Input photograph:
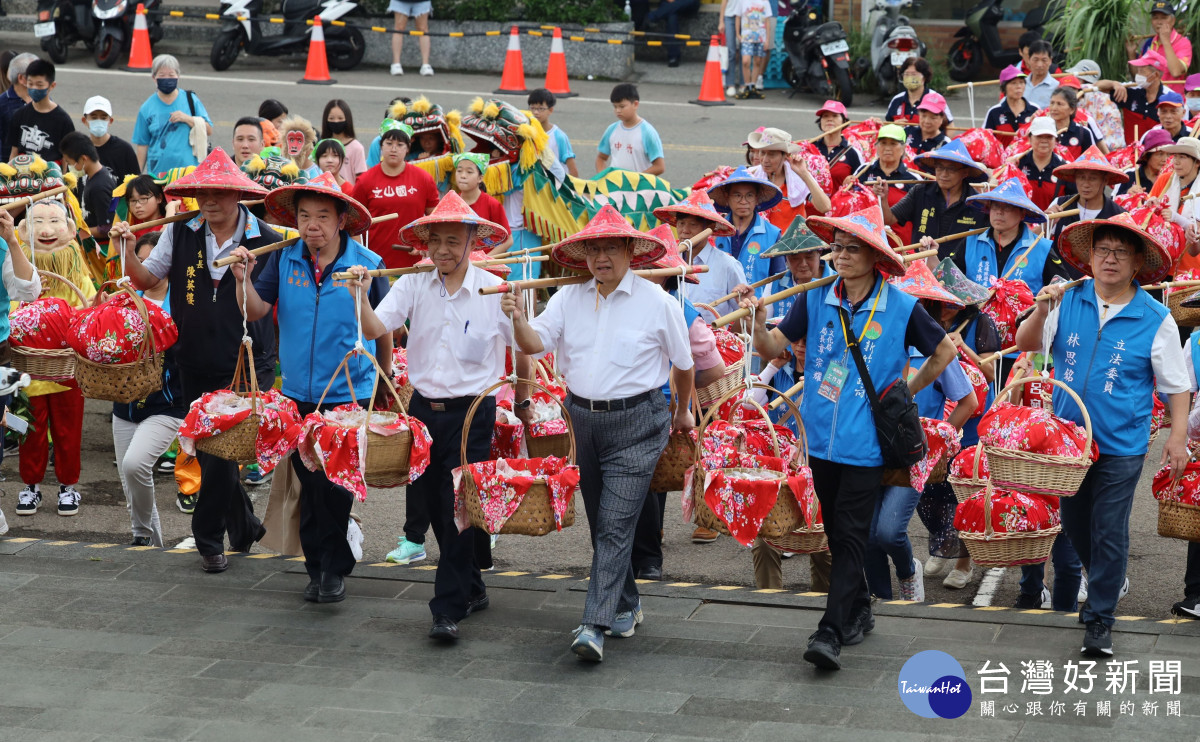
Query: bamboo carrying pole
{"type": "Point", "coordinates": [541, 283]}
{"type": "Point", "coordinates": [426, 268]}
{"type": "Point", "coordinates": [822, 135]}
{"type": "Point", "coordinates": [755, 285]}
{"type": "Point", "coordinates": [26, 200]}
{"type": "Point", "coordinates": [982, 83]}
{"type": "Point", "coordinates": [182, 216]}
{"type": "Point", "coordinates": [778, 401]}
{"type": "Point", "coordinates": [222, 262]}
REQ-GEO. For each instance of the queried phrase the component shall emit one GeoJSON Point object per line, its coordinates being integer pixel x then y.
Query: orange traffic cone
{"type": "Point", "coordinates": [556, 69]}
{"type": "Point", "coordinates": [512, 81]}
{"type": "Point", "coordinates": [139, 51]}
{"type": "Point", "coordinates": [316, 72]}
{"type": "Point", "coordinates": [712, 91]}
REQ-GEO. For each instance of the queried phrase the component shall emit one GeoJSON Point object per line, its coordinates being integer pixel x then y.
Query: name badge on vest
{"type": "Point", "coordinates": [833, 381]}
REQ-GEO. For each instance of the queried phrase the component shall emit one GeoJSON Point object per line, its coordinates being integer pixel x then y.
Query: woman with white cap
{"type": "Point", "coordinates": [1039, 163]}
{"type": "Point", "coordinates": [775, 148]}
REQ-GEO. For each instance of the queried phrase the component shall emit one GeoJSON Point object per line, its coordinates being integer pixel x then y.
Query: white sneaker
{"type": "Point", "coordinates": [730, 91]}
{"type": "Point", "coordinates": [426, 70]}
{"type": "Point", "coordinates": [1047, 599]}
{"type": "Point", "coordinates": [913, 588]}
{"type": "Point", "coordinates": [936, 565]}
{"type": "Point", "coordinates": [1124, 589]}
{"type": "Point", "coordinates": [958, 578]}
{"type": "Point", "coordinates": [354, 535]}
{"type": "Point", "coordinates": [397, 69]}
{"type": "Point", "coordinates": [187, 543]}
{"type": "Point", "coordinates": [759, 83]}
{"type": "Point", "coordinates": [3, 524]}
{"type": "Point", "coordinates": [1083, 591]}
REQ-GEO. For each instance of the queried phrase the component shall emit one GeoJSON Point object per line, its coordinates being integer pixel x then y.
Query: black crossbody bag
{"type": "Point", "coordinates": [897, 422]}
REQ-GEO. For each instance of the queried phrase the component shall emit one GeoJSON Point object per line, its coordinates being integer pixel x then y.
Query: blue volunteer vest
{"type": "Point", "coordinates": [1108, 368]}
{"type": "Point", "coordinates": [4, 300]}
{"type": "Point", "coordinates": [317, 326]}
{"type": "Point", "coordinates": [761, 235]}
{"type": "Point", "coordinates": [787, 282]}
{"type": "Point", "coordinates": [844, 432]}
{"type": "Point", "coordinates": [1194, 340]}
{"type": "Point", "coordinates": [970, 429]}
{"type": "Point", "coordinates": [982, 262]}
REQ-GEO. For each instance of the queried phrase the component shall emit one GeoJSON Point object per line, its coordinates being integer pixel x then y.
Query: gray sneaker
{"type": "Point", "coordinates": [589, 643]}
{"type": "Point", "coordinates": [626, 622]}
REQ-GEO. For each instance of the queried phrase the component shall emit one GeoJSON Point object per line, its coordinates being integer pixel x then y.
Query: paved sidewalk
{"type": "Point", "coordinates": [108, 642]}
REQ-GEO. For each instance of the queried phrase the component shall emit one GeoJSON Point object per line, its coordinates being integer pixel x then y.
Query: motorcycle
{"type": "Point", "coordinates": [980, 37]}
{"type": "Point", "coordinates": [345, 46]}
{"type": "Point", "coordinates": [114, 28]}
{"type": "Point", "coordinates": [893, 40]}
{"type": "Point", "coordinates": [61, 24]}
{"type": "Point", "coordinates": [818, 56]}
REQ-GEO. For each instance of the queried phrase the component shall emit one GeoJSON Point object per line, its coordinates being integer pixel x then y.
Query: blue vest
{"type": "Point", "coordinates": [317, 326]}
{"type": "Point", "coordinates": [844, 432]}
{"type": "Point", "coordinates": [761, 235]}
{"type": "Point", "coordinates": [1108, 368]}
{"type": "Point", "coordinates": [1195, 342]}
{"type": "Point", "coordinates": [970, 429]}
{"type": "Point", "coordinates": [788, 282]}
{"type": "Point", "coordinates": [982, 262]}
{"type": "Point", "coordinates": [931, 401]}
{"type": "Point", "coordinates": [4, 300]}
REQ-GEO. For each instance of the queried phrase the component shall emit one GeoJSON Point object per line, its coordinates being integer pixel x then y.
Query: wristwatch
{"type": "Point", "coordinates": [524, 405]}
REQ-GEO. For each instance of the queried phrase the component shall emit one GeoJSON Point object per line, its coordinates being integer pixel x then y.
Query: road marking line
{"type": "Point", "coordinates": [53, 543]}
{"type": "Point", "coordinates": [946, 605]}
{"type": "Point", "coordinates": [27, 540]}
{"type": "Point", "coordinates": [100, 546]}
{"type": "Point", "coordinates": [505, 574]}
{"type": "Point", "coordinates": [261, 556]}
{"type": "Point", "coordinates": [811, 595]}
{"type": "Point", "coordinates": [987, 587]}
{"type": "Point", "coordinates": [383, 564]}
{"type": "Point", "coordinates": [725, 587]}
{"type": "Point", "coordinates": [560, 577]}
{"type": "Point", "coordinates": [683, 584]}
{"type": "Point", "coordinates": [770, 590]}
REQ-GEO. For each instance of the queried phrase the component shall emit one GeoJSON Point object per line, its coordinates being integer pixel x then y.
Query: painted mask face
{"type": "Point", "coordinates": [295, 143]}
{"type": "Point", "coordinates": [49, 227]}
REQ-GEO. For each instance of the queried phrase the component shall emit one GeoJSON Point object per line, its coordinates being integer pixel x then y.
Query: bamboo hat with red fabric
{"type": "Point", "coordinates": [1094, 160]}
{"type": "Point", "coordinates": [700, 205]}
{"type": "Point", "coordinates": [867, 225]}
{"type": "Point", "coordinates": [671, 258]}
{"type": "Point", "coordinates": [281, 203]}
{"type": "Point", "coordinates": [607, 223]}
{"type": "Point", "coordinates": [216, 173]}
{"type": "Point", "coordinates": [919, 281]}
{"type": "Point", "coordinates": [452, 210]}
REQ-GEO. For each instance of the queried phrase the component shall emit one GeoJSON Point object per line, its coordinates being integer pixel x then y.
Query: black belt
{"type": "Point", "coordinates": [442, 405]}
{"type": "Point", "coordinates": [611, 405]}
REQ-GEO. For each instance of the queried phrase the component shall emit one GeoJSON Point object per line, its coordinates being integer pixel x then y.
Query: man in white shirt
{"type": "Point", "coordinates": [456, 347]}
{"type": "Point", "coordinates": [616, 338]}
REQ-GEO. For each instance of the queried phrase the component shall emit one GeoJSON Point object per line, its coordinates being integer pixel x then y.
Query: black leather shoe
{"type": "Point", "coordinates": [332, 588]}
{"type": "Point", "coordinates": [824, 650]}
{"type": "Point", "coordinates": [477, 604]}
{"type": "Point", "coordinates": [649, 572]}
{"type": "Point", "coordinates": [140, 541]}
{"type": "Point", "coordinates": [214, 563]}
{"type": "Point", "coordinates": [443, 629]}
{"type": "Point", "coordinates": [312, 591]}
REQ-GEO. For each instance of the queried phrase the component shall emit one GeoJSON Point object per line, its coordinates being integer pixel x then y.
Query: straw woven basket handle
{"type": "Point", "coordinates": [975, 464]}
{"type": "Point", "coordinates": [800, 457]}
{"type": "Point", "coordinates": [379, 374]}
{"type": "Point", "coordinates": [484, 394]}
{"type": "Point", "coordinates": [988, 531]}
{"type": "Point", "coordinates": [1087, 419]}
{"type": "Point", "coordinates": [244, 376]}
{"type": "Point", "coordinates": [83, 300]}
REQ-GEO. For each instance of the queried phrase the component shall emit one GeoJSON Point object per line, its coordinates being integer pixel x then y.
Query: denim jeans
{"type": "Point", "coordinates": [1097, 520]}
{"type": "Point", "coordinates": [670, 12]}
{"type": "Point", "coordinates": [889, 538]}
{"type": "Point", "coordinates": [733, 74]}
{"type": "Point", "coordinates": [1067, 574]}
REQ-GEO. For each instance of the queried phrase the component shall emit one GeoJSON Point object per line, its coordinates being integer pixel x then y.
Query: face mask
{"type": "Point", "coordinates": [913, 83]}
{"type": "Point", "coordinates": [167, 85]}
{"type": "Point", "coordinates": [1193, 104]}
{"type": "Point", "coordinates": [336, 127]}
{"type": "Point", "coordinates": [76, 171]}
{"type": "Point", "coordinates": [1139, 81]}
{"type": "Point", "coordinates": [38, 94]}
{"type": "Point", "coordinates": [98, 127]}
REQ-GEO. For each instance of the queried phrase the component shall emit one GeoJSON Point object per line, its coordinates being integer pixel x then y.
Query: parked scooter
{"type": "Point", "coordinates": [818, 56]}
{"type": "Point", "coordinates": [893, 40]}
{"type": "Point", "coordinates": [980, 37]}
{"type": "Point", "coordinates": [61, 24]}
{"type": "Point", "coordinates": [344, 46]}
{"type": "Point", "coordinates": [114, 27]}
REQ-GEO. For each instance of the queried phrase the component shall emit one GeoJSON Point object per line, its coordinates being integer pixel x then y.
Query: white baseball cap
{"type": "Point", "coordinates": [97, 103]}
{"type": "Point", "coordinates": [1043, 125]}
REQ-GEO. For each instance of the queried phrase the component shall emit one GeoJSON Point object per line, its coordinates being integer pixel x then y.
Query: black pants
{"type": "Point", "coordinates": [458, 579]}
{"type": "Point", "coordinates": [324, 514]}
{"type": "Point", "coordinates": [223, 505]}
{"type": "Point", "coordinates": [647, 541]}
{"type": "Point", "coordinates": [847, 495]}
{"type": "Point", "coordinates": [416, 520]}
{"type": "Point", "coordinates": [1191, 577]}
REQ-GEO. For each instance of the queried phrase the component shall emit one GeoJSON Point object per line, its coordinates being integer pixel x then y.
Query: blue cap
{"type": "Point", "coordinates": [768, 193]}
{"type": "Point", "coordinates": [955, 151]}
{"type": "Point", "coordinates": [1170, 98]}
{"type": "Point", "coordinates": [1009, 192]}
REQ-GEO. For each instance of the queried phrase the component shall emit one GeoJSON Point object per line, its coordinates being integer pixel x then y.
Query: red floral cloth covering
{"type": "Point", "coordinates": [729, 346]}
{"type": "Point", "coordinates": [722, 437]}
{"type": "Point", "coordinates": [851, 198]}
{"type": "Point", "coordinates": [113, 331]}
{"type": "Point", "coordinates": [1186, 491]}
{"type": "Point", "coordinates": [963, 465]}
{"type": "Point", "coordinates": [863, 136]}
{"type": "Point", "coordinates": [341, 450]}
{"type": "Point", "coordinates": [547, 416]}
{"type": "Point", "coordinates": [1126, 157]}
{"type": "Point", "coordinates": [713, 177]}
{"type": "Point", "coordinates": [399, 367]}
{"type": "Point", "coordinates": [1160, 417]}
{"type": "Point", "coordinates": [1009, 170]}
{"type": "Point", "coordinates": [742, 502]}
{"type": "Point", "coordinates": [1012, 512]}
{"type": "Point", "coordinates": [1169, 234]}
{"type": "Point", "coordinates": [1009, 300]}
{"type": "Point", "coordinates": [502, 485]}
{"type": "Point", "coordinates": [984, 147]}
{"type": "Point", "coordinates": [941, 444]}
{"type": "Point", "coordinates": [1020, 428]}
{"type": "Point", "coordinates": [818, 166]}
{"type": "Point", "coordinates": [979, 383]}
{"type": "Point", "coordinates": [213, 413]}
{"type": "Point", "coordinates": [44, 324]}
{"type": "Point", "coordinates": [758, 436]}
{"type": "Point", "coordinates": [508, 433]}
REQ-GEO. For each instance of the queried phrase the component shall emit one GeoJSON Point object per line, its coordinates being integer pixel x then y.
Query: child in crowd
{"type": "Point", "coordinates": [630, 142]}
{"type": "Point", "coordinates": [331, 157]}
{"type": "Point", "coordinates": [468, 175]}
{"type": "Point", "coordinates": [337, 122]}
{"type": "Point", "coordinates": [755, 24]}
{"type": "Point", "coordinates": [541, 104]}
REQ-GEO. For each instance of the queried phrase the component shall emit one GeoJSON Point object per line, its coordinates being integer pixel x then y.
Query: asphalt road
{"type": "Point", "coordinates": [696, 140]}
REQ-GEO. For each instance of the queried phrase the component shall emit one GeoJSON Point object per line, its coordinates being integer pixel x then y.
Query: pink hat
{"type": "Point", "coordinates": [671, 258]}
{"type": "Point", "coordinates": [1151, 59]}
{"type": "Point", "coordinates": [451, 210]}
{"type": "Point", "coordinates": [832, 106]}
{"type": "Point", "coordinates": [932, 102]}
{"type": "Point", "coordinates": [1011, 72]}
{"type": "Point", "coordinates": [867, 225]}
{"type": "Point", "coordinates": [1191, 83]}
{"type": "Point", "coordinates": [607, 222]}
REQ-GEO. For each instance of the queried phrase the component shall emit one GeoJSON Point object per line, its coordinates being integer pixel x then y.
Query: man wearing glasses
{"type": "Point", "coordinates": [940, 207]}
{"type": "Point", "coordinates": [745, 199]}
{"type": "Point", "coordinates": [616, 338]}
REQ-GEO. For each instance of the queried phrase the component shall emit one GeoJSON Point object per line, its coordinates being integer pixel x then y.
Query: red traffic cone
{"type": "Point", "coordinates": [712, 91]}
{"type": "Point", "coordinates": [316, 72]}
{"type": "Point", "coordinates": [512, 82]}
{"type": "Point", "coordinates": [556, 69]}
{"type": "Point", "coordinates": [139, 50]}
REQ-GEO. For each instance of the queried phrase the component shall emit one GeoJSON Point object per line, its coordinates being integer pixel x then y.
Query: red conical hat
{"type": "Point", "coordinates": [281, 203]}
{"type": "Point", "coordinates": [608, 222]}
{"type": "Point", "coordinates": [920, 282]}
{"type": "Point", "coordinates": [1091, 159]}
{"type": "Point", "coordinates": [216, 173]}
{"type": "Point", "coordinates": [700, 205]}
{"type": "Point", "coordinates": [451, 210]}
{"type": "Point", "coordinates": [866, 225]}
{"type": "Point", "coordinates": [477, 256]}
{"type": "Point", "coordinates": [671, 258]}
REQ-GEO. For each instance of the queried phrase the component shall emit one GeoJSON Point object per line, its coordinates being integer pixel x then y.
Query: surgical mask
{"type": "Point", "coordinates": [1139, 81]}
{"type": "Point", "coordinates": [38, 94]}
{"type": "Point", "coordinates": [1193, 105]}
{"type": "Point", "coordinates": [167, 85]}
{"type": "Point", "coordinates": [336, 127]}
{"type": "Point", "coordinates": [98, 127]}
{"type": "Point", "coordinates": [913, 83]}
{"type": "Point", "coordinates": [76, 170]}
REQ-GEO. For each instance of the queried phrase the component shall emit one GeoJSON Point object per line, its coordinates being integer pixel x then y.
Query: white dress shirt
{"type": "Point", "coordinates": [614, 347]}
{"type": "Point", "coordinates": [724, 272]}
{"type": "Point", "coordinates": [159, 260]}
{"type": "Point", "coordinates": [456, 342]}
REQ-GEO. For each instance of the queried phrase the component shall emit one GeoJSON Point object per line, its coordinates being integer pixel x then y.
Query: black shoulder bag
{"type": "Point", "coordinates": [897, 423]}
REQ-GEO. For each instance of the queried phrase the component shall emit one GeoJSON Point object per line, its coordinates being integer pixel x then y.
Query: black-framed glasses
{"type": "Point", "coordinates": [852, 249]}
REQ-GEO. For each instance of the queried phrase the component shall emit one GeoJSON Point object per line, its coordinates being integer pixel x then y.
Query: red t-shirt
{"type": "Point", "coordinates": [489, 208]}
{"type": "Point", "coordinates": [408, 194]}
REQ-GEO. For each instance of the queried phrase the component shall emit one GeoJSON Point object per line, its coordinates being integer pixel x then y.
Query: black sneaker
{"type": "Point", "coordinates": [29, 499]}
{"type": "Point", "coordinates": [185, 503]}
{"type": "Point", "coordinates": [140, 541]}
{"type": "Point", "coordinates": [860, 624]}
{"type": "Point", "coordinates": [1097, 642]}
{"type": "Point", "coordinates": [68, 500]}
{"type": "Point", "coordinates": [1189, 607]}
{"type": "Point", "coordinates": [1032, 602]}
{"type": "Point", "coordinates": [824, 650]}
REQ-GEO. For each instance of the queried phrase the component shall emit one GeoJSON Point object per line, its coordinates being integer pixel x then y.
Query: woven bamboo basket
{"type": "Point", "coordinates": [785, 516]}
{"type": "Point", "coordinates": [123, 382]}
{"type": "Point", "coordinates": [1177, 520]}
{"type": "Point", "coordinates": [991, 549]}
{"type": "Point", "coordinates": [965, 487]}
{"type": "Point", "coordinates": [1037, 473]}
{"type": "Point", "coordinates": [48, 364]}
{"type": "Point", "coordinates": [1184, 316]}
{"type": "Point", "coordinates": [238, 443]}
{"type": "Point", "coordinates": [535, 514]}
{"type": "Point", "coordinates": [729, 381]}
{"type": "Point", "coordinates": [804, 540]}
{"type": "Point", "coordinates": [677, 457]}
{"type": "Point", "coordinates": [541, 446]}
